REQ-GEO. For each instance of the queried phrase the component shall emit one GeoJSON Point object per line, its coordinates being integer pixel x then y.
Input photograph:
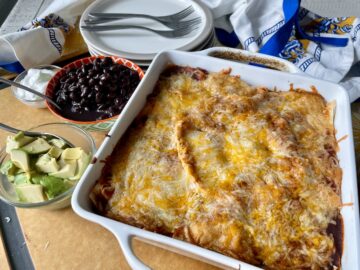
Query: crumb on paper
{"type": "Point", "coordinates": [46, 245]}
{"type": "Point", "coordinates": [7, 219]}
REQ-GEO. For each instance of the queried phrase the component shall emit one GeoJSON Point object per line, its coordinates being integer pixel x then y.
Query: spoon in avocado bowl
{"type": "Point", "coordinates": [18, 85]}
{"type": "Point", "coordinates": [44, 135]}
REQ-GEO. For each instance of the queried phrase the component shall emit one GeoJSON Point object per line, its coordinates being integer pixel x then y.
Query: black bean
{"type": "Point", "coordinates": [82, 81]}
{"type": "Point", "coordinates": [114, 68]}
{"type": "Point", "coordinates": [85, 91]}
{"type": "Point", "coordinates": [84, 101]}
{"type": "Point", "coordinates": [75, 96]}
{"type": "Point", "coordinates": [91, 72]}
{"type": "Point", "coordinates": [97, 69]}
{"type": "Point", "coordinates": [102, 107]}
{"type": "Point", "coordinates": [97, 61]}
{"type": "Point", "coordinates": [105, 77]}
{"type": "Point", "coordinates": [92, 82]}
{"type": "Point", "coordinates": [91, 95]}
{"type": "Point", "coordinates": [111, 95]}
{"type": "Point", "coordinates": [73, 88]}
{"type": "Point", "coordinates": [97, 88]}
{"type": "Point", "coordinates": [98, 97]}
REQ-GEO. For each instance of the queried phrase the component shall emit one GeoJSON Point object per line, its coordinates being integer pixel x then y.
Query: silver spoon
{"type": "Point", "coordinates": [18, 85]}
{"type": "Point", "coordinates": [44, 135]}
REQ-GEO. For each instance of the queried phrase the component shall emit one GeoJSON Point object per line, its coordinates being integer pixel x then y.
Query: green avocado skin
{"type": "Point", "coordinates": [53, 186]}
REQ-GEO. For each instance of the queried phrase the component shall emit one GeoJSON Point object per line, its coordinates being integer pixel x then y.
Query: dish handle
{"type": "Point", "coordinates": [124, 240]}
{"type": "Point", "coordinates": [250, 57]}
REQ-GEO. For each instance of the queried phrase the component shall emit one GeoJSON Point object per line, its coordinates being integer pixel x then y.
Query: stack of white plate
{"type": "Point", "coordinates": [140, 46]}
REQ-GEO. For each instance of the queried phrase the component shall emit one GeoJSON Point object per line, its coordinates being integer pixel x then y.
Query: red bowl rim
{"type": "Point", "coordinates": [54, 80]}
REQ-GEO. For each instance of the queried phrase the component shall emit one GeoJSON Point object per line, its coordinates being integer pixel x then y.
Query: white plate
{"type": "Point", "coordinates": [209, 42]}
{"type": "Point", "coordinates": [94, 52]}
{"type": "Point", "coordinates": [139, 44]}
{"type": "Point", "coordinates": [253, 75]}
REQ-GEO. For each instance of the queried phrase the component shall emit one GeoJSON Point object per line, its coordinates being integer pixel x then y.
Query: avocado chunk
{"type": "Point", "coordinates": [38, 146]}
{"type": "Point", "coordinates": [58, 143]}
{"type": "Point", "coordinates": [67, 171]}
{"type": "Point", "coordinates": [20, 159]}
{"type": "Point", "coordinates": [8, 168]}
{"type": "Point", "coordinates": [22, 178]}
{"type": "Point", "coordinates": [30, 193]}
{"type": "Point", "coordinates": [82, 163]}
{"type": "Point", "coordinates": [55, 151]}
{"type": "Point", "coordinates": [54, 186]}
{"type": "Point", "coordinates": [47, 164]}
{"type": "Point", "coordinates": [17, 141]}
{"type": "Point", "coordinates": [72, 153]}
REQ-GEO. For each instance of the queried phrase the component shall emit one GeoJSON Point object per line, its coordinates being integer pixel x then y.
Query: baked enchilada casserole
{"type": "Point", "coordinates": [246, 171]}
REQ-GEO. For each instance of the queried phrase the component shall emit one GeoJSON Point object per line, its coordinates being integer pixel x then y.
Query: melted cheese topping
{"type": "Point", "coordinates": [244, 171]}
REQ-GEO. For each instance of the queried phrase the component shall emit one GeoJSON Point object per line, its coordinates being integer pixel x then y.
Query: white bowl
{"type": "Point", "coordinates": [38, 102]}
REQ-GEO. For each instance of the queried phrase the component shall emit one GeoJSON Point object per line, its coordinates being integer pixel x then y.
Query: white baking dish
{"type": "Point", "coordinates": [254, 75]}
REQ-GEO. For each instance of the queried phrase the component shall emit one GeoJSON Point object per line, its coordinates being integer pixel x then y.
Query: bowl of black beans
{"type": "Point", "coordinates": [93, 91]}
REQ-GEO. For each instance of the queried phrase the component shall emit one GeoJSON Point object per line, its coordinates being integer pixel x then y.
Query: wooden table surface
{"type": "Point", "coordinates": [62, 240]}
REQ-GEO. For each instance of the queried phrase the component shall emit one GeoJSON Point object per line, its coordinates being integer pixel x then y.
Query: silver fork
{"type": "Point", "coordinates": [173, 25]}
{"type": "Point", "coordinates": [168, 20]}
{"type": "Point", "coordinates": [175, 33]}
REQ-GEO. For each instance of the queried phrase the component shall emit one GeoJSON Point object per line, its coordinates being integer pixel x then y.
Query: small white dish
{"type": "Point", "coordinates": [17, 92]}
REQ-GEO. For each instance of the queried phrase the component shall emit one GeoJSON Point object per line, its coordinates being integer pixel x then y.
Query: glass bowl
{"type": "Point", "coordinates": [38, 102]}
{"type": "Point", "coordinates": [72, 133]}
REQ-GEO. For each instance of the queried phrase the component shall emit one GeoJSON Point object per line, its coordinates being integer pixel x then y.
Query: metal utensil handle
{"type": "Point", "coordinates": [9, 129]}
{"type": "Point", "coordinates": [120, 16]}
{"type": "Point", "coordinates": [18, 85]}
{"type": "Point", "coordinates": [117, 27]}
{"type": "Point", "coordinates": [15, 130]}
{"type": "Point", "coordinates": [251, 57]}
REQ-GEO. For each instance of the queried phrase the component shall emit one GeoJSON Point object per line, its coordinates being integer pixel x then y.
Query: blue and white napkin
{"type": "Point", "coordinates": [325, 48]}
{"type": "Point", "coordinates": [40, 41]}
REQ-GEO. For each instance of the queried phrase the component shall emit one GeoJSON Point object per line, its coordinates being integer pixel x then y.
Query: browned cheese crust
{"type": "Point", "coordinates": [244, 171]}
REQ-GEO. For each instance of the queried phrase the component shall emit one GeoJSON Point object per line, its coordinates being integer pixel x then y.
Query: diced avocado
{"type": "Point", "coordinates": [67, 171]}
{"type": "Point", "coordinates": [38, 146]}
{"type": "Point", "coordinates": [47, 164]}
{"type": "Point", "coordinates": [30, 193]}
{"type": "Point", "coordinates": [18, 136]}
{"type": "Point", "coordinates": [58, 143]}
{"type": "Point", "coordinates": [17, 141]}
{"type": "Point", "coordinates": [8, 168]}
{"type": "Point", "coordinates": [82, 163]}
{"type": "Point", "coordinates": [72, 153]}
{"type": "Point", "coordinates": [54, 186]}
{"type": "Point", "coordinates": [20, 159]}
{"type": "Point", "coordinates": [55, 151]}
{"type": "Point", "coordinates": [22, 178]}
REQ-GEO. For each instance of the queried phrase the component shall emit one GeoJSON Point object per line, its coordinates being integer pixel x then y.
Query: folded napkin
{"type": "Point", "coordinates": [42, 40]}
{"type": "Point", "coordinates": [325, 48]}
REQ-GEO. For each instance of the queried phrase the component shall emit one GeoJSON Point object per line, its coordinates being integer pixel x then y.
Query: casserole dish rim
{"type": "Point", "coordinates": [124, 232]}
